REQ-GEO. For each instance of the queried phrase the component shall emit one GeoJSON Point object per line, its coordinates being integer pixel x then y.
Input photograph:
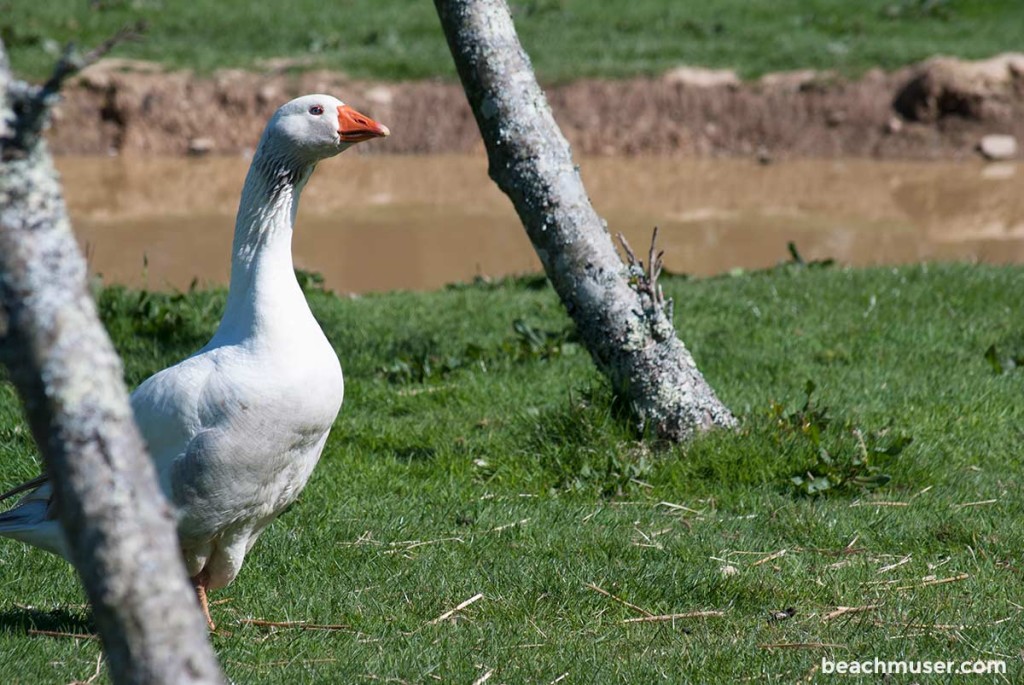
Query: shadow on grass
{"type": "Point", "coordinates": [19, 621]}
{"type": "Point", "coordinates": [590, 443]}
{"type": "Point", "coordinates": [415, 453]}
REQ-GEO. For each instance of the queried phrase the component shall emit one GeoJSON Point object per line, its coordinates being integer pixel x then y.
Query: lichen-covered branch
{"type": "Point", "coordinates": [629, 336]}
{"type": "Point", "coordinates": [120, 528]}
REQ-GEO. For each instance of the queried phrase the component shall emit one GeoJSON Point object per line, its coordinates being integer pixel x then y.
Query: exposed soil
{"type": "Point", "coordinates": [939, 109]}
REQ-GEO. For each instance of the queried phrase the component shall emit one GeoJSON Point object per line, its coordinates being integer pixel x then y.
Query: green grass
{"type": "Point", "coordinates": [471, 458]}
{"type": "Point", "coordinates": [401, 39]}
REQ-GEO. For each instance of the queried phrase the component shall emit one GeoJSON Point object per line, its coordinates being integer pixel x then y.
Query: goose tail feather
{"type": "Point", "coordinates": [32, 520]}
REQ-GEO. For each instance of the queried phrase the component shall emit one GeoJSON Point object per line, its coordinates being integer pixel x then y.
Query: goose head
{"type": "Point", "coordinates": [315, 127]}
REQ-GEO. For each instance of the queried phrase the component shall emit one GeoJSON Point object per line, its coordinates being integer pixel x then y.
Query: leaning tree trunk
{"type": "Point", "coordinates": [618, 310]}
{"type": "Point", "coordinates": [120, 527]}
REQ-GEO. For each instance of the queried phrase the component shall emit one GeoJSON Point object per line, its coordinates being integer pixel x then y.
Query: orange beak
{"type": "Point", "coordinates": [354, 127]}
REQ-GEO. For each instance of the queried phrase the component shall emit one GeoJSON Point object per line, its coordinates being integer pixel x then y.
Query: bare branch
{"type": "Point", "coordinates": [32, 103]}
{"type": "Point", "coordinates": [631, 259]}
{"type": "Point", "coordinates": [71, 62]}
{"type": "Point", "coordinates": [645, 277]}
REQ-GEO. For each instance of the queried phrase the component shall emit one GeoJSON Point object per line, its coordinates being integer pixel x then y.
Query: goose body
{"type": "Point", "coordinates": [236, 429]}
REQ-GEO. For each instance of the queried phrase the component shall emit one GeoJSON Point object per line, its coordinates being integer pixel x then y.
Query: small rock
{"type": "Point", "coordinates": [764, 156]}
{"type": "Point", "coordinates": [379, 95]}
{"type": "Point", "coordinates": [200, 146]}
{"type": "Point", "coordinates": [783, 615]}
{"type": "Point", "coordinates": [795, 81]}
{"type": "Point", "coordinates": [835, 118]}
{"type": "Point", "coordinates": [894, 125]}
{"type": "Point", "coordinates": [702, 78]}
{"type": "Point", "coordinates": [998, 147]}
{"type": "Point", "coordinates": [268, 94]}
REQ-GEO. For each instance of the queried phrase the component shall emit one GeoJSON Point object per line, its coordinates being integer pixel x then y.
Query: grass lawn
{"type": "Point", "coordinates": [474, 456]}
{"type": "Point", "coordinates": [401, 39]}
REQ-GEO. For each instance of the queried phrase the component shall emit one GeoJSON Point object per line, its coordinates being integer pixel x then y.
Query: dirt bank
{"type": "Point", "coordinates": [939, 109]}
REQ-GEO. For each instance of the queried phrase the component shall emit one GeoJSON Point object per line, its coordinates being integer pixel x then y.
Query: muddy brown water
{"type": "Point", "coordinates": [382, 223]}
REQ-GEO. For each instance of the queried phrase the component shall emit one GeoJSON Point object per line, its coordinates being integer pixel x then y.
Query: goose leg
{"type": "Point", "coordinates": [199, 582]}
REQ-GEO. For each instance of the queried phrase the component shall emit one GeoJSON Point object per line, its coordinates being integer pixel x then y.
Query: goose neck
{"type": "Point", "coordinates": [262, 273]}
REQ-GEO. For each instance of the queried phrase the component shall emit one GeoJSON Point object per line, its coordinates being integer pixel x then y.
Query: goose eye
{"type": "Point", "coordinates": [316, 110]}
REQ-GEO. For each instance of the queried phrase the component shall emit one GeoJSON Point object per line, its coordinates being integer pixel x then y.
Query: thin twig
{"type": "Point", "coordinates": [646, 277]}
{"type": "Point", "coordinates": [936, 581]}
{"type": "Point", "coordinates": [672, 505]}
{"type": "Point", "coordinates": [99, 669]}
{"type": "Point", "coordinates": [71, 62]}
{"type": "Point", "coordinates": [634, 607]}
{"type": "Point", "coordinates": [506, 526]}
{"type": "Point", "coordinates": [904, 560]}
{"type": "Point", "coordinates": [57, 633]}
{"type": "Point", "coordinates": [843, 611]}
{"type": "Point", "coordinates": [299, 625]}
{"type": "Point", "coordinates": [263, 665]}
{"type": "Point", "coordinates": [631, 259]}
{"type": "Point", "coordinates": [673, 617]}
{"type": "Point", "coordinates": [771, 557]}
{"type": "Point", "coordinates": [811, 673]}
{"type": "Point", "coordinates": [33, 103]}
{"type": "Point", "coordinates": [802, 645]}
{"type": "Point", "coordinates": [96, 674]}
{"type": "Point", "coordinates": [407, 545]}
{"type": "Point", "coordinates": [879, 504]}
{"type": "Point", "coordinates": [452, 612]}
{"type": "Point", "coordinates": [654, 265]}
{"type": "Point", "coordinates": [484, 678]}
{"type": "Point", "coordinates": [922, 626]}
{"type": "Point", "coordinates": [975, 504]}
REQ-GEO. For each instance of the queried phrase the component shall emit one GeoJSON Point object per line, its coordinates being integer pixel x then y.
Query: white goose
{"type": "Point", "coordinates": [236, 429]}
